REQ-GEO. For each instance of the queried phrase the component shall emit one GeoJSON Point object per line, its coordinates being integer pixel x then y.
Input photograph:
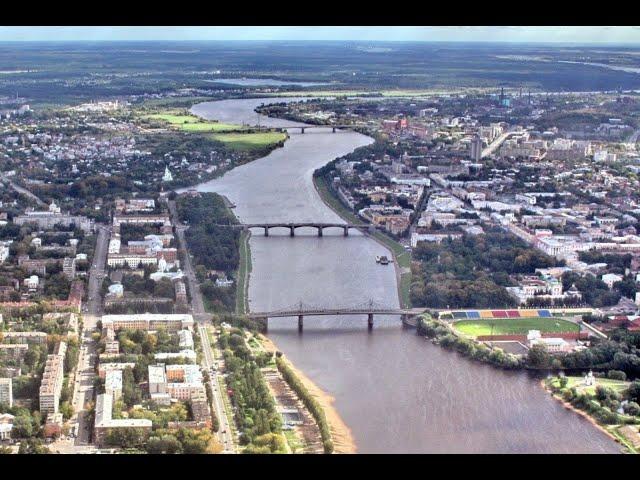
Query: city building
{"type": "Point", "coordinates": [113, 383]}
{"type": "Point", "coordinates": [148, 321]}
{"type": "Point", "coordinates": [52, 379]}
{"type": "Point", "coordinates": [105, 423]}
{"type": "Point", "coordinates": [6, 392]}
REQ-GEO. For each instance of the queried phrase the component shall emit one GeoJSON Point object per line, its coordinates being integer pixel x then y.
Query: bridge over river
{"type": "Point", "coordinates": [369, 309]}
{"type": "Point", "coordinates": [292, 226]}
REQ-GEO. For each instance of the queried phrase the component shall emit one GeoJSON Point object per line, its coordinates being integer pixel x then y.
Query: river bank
{"type": "Point", "coordinates": [341, 435]}
{"type": "Point", "coordinates": [611, 431]}
{"type": "Point", "coordinates": [396, 392]}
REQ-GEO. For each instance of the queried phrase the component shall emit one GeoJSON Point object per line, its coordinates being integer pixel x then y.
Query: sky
{"type": "Point", "coordinates": [545, 34]}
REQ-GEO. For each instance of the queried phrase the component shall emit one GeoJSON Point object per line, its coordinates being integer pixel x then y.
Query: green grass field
{"type": "Point", "coordinates": [191, 123]}
{"type": "Point", "coordinates": [249, 141]}
{"type": "Point", "coordinates": [578, 382]}
{"type": "Point", "coordinates": [513, 326]}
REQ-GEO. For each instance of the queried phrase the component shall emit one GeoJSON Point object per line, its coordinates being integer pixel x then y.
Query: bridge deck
{"type": "Point", "coordinates": [314, 313]}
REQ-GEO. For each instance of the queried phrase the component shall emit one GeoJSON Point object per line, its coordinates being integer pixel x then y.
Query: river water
{"type": "Point", "coordinates": [396, 391]}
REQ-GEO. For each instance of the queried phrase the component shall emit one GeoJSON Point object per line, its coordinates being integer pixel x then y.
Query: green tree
{"type": "Point", "coordinates": [538, 356]}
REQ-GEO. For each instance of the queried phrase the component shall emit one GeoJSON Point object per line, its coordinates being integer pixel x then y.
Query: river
{"type": "Point", "coordinates": [397, 392]}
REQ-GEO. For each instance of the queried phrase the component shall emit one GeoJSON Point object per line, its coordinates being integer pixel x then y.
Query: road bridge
{"type": "Point", "coordinates": [292, 226]}
{"type": "Point", "coordinates": [300, 311]}
{"type": "Point", "coordinates": [302, 128]}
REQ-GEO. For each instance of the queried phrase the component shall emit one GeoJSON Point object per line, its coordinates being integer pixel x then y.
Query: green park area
{"type": "Point", "coordinates": [234, 137]}
{"type": "Point", "coordinates": [249, 141]}
{"type": "Point", "coordinates": [513, 326]}
{"type": "Point", "coordinates": [619, 386]}
{"type": "Point", "coordinates": [191, 123]}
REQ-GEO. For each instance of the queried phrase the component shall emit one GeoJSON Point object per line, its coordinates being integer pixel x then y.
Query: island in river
{"type": "Point", "coordinates": [396, 392]}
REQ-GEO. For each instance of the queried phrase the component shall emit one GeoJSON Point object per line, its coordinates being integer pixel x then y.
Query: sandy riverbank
{"type": "Point", "coordinates": [343, 441]}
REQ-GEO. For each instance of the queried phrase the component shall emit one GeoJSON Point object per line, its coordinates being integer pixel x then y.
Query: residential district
{"type": "Point", "coordinates": [512, 218]}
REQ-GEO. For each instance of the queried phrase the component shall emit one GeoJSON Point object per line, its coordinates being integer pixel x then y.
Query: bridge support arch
{"type": "Point", "coordinates": [370, 321]}
{"type": "Point", "coordinates": [300, 323]}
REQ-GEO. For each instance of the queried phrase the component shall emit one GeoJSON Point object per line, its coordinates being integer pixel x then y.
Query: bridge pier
{"type": "Point", "coordinates": [291, 231]}
{"type": "Point", "coordinates": [320, 231]}
{"type": "Point", "coordinates": [266, 231]}
{"type": "Point", "coordinates": [300, 323]}
{"type": "Point", "coordinates": [370, 321]}
{"type": "Point", "coordinates": [301, 129]}
{"type": "Point", "coordinates": [334, 130]}
{"type": "Point", "coordinates": [346, 231]}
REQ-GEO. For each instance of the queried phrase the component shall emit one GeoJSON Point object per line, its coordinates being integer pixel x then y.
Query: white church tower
{"type": "Point", "coordinates": [167, 177]}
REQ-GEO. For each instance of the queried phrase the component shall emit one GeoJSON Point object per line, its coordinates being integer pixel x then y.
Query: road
{"type": "Point", "coordinates": [25, 192]}
{"type": "Point", "coordinates": [225, 434]}
{"type": "Point", "coordinates": [197, 303]}
{"type": "Point", "coordinates": [202, 318]}
{"type": "Point", "coordinates": [83, 387]}
{"type": "Point", "coordinates": [493, 146]}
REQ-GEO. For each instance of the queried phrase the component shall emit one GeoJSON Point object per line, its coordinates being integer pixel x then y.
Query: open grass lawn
{"type": "Point", "coordinates": [249, 141]}
{"type": "Point", "coordinates": [578, 382]}
{"type": "Point", "coordinates": [191, 123]}
{"type": "Point", "coordinates": [514, 326]}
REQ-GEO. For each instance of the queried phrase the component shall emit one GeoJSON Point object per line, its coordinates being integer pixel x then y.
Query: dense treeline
{"type": "Point", "coordinates": [212, 246]}
{"type": "Point", "coordinates": [472, 271]}
{"type": "Point", "coordinates": [309, 401]}
{"type": "Point", "coordinates": [255, 414]}
{"type": "Point", "coordinates": [443, 335]}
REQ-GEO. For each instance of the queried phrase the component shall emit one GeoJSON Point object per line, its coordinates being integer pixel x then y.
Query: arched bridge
{"type": "Point", "coordinates": [292, 226]}
{"type": "Point", "coordinates": [370, 309]}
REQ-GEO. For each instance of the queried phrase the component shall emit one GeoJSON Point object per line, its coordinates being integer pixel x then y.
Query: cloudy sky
{"type": "Point", "coordinates": [614, 35]}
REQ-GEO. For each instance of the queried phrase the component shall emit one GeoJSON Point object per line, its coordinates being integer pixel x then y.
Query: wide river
{"type": "Point", "coordinates": [397, 392]}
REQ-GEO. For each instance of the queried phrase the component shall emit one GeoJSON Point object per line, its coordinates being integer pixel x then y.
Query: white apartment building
{"type": "Point", "coordinates": [6, 392]}
{"type": "Point", "coordinates": [52, 379]}
{"type": "Point", "coordinates": [113, 383]}
{"type": "Point", "coordinates": [148, 321]}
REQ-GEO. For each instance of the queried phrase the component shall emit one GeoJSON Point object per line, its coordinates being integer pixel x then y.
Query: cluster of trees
{"type": "Point", "coordinates": [142, 342]}
{"type": "Point", "coordinates": [134, 231]}
{"type": "Point", "coordinates": [440, 333]}
{"type": "Point", "coordinates": [219, 299]}
{"type": "Point", "coordinates": [309, 401]}
{"type": "Point", "coordinates": [472, 271]}
{"type": "Point", "coordinates": [145, 285]}
{"type": "Point", "coordinates": [187, 441]}
{"type": "Point", "coordinates": [212, 246]}
{"type": "Point", "coordinates": [26, 424]}
{"type": "Point", "coordinates": [605, 403]}
{"type": "Point", "coordinates": [594, 291]}
{"type": "Point", "coordinates": [255, 413]}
